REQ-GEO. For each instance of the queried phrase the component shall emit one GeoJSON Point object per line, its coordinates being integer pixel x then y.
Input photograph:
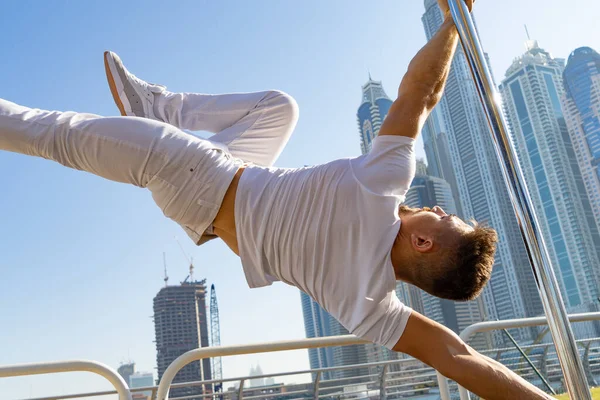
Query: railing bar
{"type": "Point", "coordinates": [358, 391]}
{"type": "Point", "coordinates": [405, 373]}
{"type": "Point", "coordinates": [534, 346]}
{"type": "Point", "coordinates": [343, 386]}
{"type": "Point", "coordinates": [413, 370]}
{"type": "Point", "coordinates": [190, 397]}
{"type": "Point", "coordinates": [345, 378]}
{"type": "Point", "coordinates": [412, 377]}
{"type": "Point", "coordinates": [74, 396]}
{"type": "Point", "coordinates": [414, 390]}
{"type": "Point", "coordinates": [69, 366]}
{"type": "Point", "coordinates": [413, 384]}
{"type": "Point", "coordinates": [258, 396]}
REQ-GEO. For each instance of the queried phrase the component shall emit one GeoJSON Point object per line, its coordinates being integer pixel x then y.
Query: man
{"type": "Point", "coordinates": [336, 231]}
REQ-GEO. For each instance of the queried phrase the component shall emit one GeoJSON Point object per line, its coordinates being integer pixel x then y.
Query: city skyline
{"type": "Point", "coordinates": [111, 265]}
{"type": "Point", "coordinates": [531, 92]}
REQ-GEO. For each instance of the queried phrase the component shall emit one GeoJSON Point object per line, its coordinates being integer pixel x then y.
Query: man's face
{"type": "Point", "coordinates": [432, 221]}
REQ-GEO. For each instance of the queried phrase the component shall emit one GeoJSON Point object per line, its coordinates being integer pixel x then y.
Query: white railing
{"type": "Point", "coordinates": [505, 324]}
{"type": "Point", "coordinates": [396, 377]}
{"type": "Point", "coordinates": [70, 366]}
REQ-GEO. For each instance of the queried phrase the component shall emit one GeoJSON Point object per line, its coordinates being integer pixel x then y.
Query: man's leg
{"type": "Point", "coordinates": [254, 126]}
{"type": "Point", "coordinates": [137, 151]}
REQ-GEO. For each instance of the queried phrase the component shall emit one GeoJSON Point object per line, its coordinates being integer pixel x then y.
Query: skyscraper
{"type": "Point", "coordinates": [371, 112]}
{"type": "Point", "coordinates": [317, 323]}
{"type": "Point", "coordinates": [140, 380]}
{"type": "Point", "coordinates": [429, 191]}
{"type": "Point", "coordinates": [581, 105]}
{"type": "Point", "coordinates": [181, 324]}
{"type": "Point", "coordinates": [439, 164]}
{"type": "Point", "coordinates": [512, 292]}
{"type": "Point", "coordinates": [126, 370]}
{"type": "Point", "coordinates": [531, 93]}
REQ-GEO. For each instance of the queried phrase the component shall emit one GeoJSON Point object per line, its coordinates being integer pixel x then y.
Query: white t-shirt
{"type": "Point", "coordinates": [329, 231]}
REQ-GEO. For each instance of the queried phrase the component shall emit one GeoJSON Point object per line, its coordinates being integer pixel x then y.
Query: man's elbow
{"type": "Point", "coordinates": [417, 95]}
{"type": "Point", "coordinates": [451, 361]}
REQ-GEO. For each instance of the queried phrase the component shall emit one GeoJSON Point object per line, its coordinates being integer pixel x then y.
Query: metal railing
{"type": "Point", "coordinates": [380, 379]}
{"type": "Point", "coordinates": [70, 366]}
{"type": "Point", "coordinates": [506, 324]}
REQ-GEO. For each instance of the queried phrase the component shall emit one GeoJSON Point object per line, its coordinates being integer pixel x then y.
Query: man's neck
{"type": "Point", "coordinates": [401, 262]}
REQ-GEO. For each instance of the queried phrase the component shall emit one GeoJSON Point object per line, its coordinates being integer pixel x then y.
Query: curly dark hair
{"type": "Point", "coordinates": [465, 267]}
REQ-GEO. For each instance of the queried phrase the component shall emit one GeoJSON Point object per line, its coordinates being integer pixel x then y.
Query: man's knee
{"type": "Point", "coordinates": [284, 104]}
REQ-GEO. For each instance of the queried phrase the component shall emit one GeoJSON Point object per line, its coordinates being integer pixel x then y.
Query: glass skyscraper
{"type": "Point", "coordinates": [531, 93]}
{"type": "Point", "coordinates": [371, 113]}
{"type": "Point", "coordinates": [319, 323]}
{"type": "Point", "coordinates": [581, 105]}
{"type": "Point", "coordinates": [439, 165]}
{"type": "Point", "coordinates": [512, 292]}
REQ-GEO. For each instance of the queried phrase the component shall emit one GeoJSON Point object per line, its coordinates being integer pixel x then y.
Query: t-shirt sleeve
{"type": "Point", "coordinates": [386, 323]}
{"type": "Point", "coordinates": [389, 167]}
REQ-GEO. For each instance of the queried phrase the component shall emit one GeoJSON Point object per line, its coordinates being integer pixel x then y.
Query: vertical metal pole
{"type": "Point", "coordinates": [566, 349]}
{"type": "Point", "coordinates": [443, 385]}
{"type": "Point", "coordinates": [382, 383]}
{"type": "Point", "coordinates": [241, 390]}
{"type": "Point", "coordinates": [316, 386]}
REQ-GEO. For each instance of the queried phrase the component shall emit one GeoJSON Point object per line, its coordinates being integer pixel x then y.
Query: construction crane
{"type": "Point", "coordinates": [166, 278]}
{"type": "Point", "coordinates": [215, 335]}
{"type": "Point", "coordinates": [190, 260]}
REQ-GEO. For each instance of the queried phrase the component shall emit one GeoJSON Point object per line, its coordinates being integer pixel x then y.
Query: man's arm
{"type": "Point", "coordinates": [423, 84]}
{"type": "Point", "coordinates": [440, 348]}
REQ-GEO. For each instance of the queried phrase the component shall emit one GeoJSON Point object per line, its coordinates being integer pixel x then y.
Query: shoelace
{"type": "Point", "coordinates": [144, 84]}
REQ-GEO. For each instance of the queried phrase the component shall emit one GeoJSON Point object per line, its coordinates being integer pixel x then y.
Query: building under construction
{"type": "Point", "coordinates": [181, 324]}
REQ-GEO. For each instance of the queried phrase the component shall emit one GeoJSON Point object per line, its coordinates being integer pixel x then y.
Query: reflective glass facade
{"type": "Point", "coordinates": [581, 104]}
{"type": "Point", "coordinates": [371, 113]}
{"type": "Point", "coordinates": [531, 94]}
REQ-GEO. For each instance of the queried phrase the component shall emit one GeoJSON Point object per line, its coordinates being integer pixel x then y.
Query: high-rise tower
{"type": "Point", "coordinates": [371, 112]}
{"type": "Point", "coordinates": [581, 106]}
{"type": "Point", "coordinates": [181, 324]}
{"type": "Point", "coordinates": [531, 94]}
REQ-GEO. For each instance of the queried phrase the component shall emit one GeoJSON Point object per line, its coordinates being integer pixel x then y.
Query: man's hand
{"type": "Point", "coordinates": [446, 9]}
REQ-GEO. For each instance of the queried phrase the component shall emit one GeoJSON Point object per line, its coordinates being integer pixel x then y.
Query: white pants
{"type": "Point", "coordinates": [188, 176]}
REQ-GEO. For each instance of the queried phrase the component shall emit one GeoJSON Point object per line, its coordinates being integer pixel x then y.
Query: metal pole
{"type": "Point", "coordinates": [538, 373]}
{"type": "Point", "coordinates": [316, 386]}
{"type": "Point", "coordinates": [443, 385]}
{"type": "Point", "coordinates": [382, 383]}
{"type": "Point", "coordinates": [566, 349]}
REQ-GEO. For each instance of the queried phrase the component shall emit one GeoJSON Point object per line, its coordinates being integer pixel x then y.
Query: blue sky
{"type": "Point", "coordinates": [81, 257]}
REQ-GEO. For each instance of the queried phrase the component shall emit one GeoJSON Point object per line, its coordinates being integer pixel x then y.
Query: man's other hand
{"type": "Point", "coordinates": [446, 9]}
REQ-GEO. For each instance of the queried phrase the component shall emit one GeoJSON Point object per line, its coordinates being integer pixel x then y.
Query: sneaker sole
{"type": "Point", "coordinates": [111, 72]}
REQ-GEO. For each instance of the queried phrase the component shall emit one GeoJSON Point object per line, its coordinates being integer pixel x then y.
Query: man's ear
{"type": "Point", "coordinates": [421, 243]}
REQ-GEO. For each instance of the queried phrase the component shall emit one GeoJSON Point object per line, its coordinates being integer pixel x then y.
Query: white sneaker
{"type": "Point", "coordinates": [133, 96]}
